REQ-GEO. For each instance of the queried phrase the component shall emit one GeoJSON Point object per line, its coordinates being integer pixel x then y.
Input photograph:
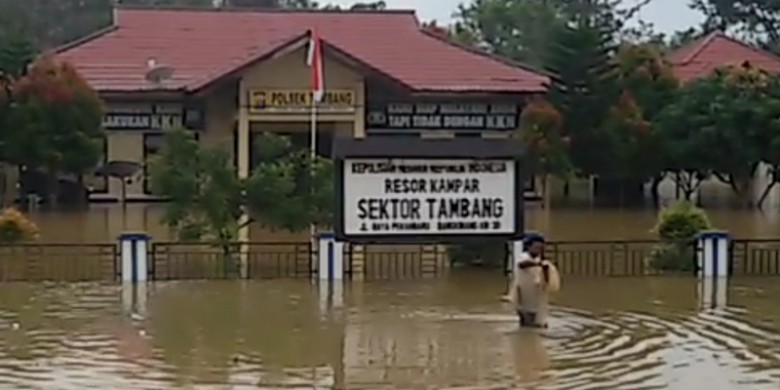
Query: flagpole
{"type": "Point", "coordinates": [313, 154]}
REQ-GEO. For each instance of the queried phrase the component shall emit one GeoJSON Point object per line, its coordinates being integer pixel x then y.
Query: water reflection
{"type": "Point", "coordinates": [451, 334]}
{"type": "Point", "coordinates": [104, 222]}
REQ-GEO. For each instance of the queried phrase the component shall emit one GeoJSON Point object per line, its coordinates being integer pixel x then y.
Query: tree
{"type": "Point", "coordinates": [648, 85]}
{"type": "Point", "coordinates": [202, 186]}
{"type": "Point", "coordinates": [756, 21]}
{"type": "Point", "coordinates": [288, 189]}
{"type": "Point", "coordinates": [207, 199]}
{"type": "Point", "coordinates": [515, 29]}
{"type": "Point", "coordinates": [541, 127]}
{"type": "Point", "coordinates": [726, 124]}
{"type": "Point", "coordinates": [583, 89]}
{"type": "Point", "coordinates": [55, 122]}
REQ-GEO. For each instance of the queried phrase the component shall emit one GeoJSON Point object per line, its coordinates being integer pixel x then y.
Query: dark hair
{"type": "Point", "coordinates": [532, 239]}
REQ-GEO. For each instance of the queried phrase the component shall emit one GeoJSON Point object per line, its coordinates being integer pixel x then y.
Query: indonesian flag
{"type": "Point", "coordinates": [314, 61]}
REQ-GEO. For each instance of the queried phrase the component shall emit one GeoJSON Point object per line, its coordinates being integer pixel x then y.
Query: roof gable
{"type": "Point", "coordinates": [203, 45]}
{"type": "Point", "coordinates": [703, 56]}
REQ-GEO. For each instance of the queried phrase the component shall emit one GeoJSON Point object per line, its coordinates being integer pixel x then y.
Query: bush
{"type": "Point", "coordinates": [15, 228]}
{"type": "Point", "coordinates": [673, 257]}
{"type": "Point", "coordinates": [677, 228]}
{"type": "Point", "coordinates": [483, 252]}
{"type": "Point", "coordinates": [682, 221]}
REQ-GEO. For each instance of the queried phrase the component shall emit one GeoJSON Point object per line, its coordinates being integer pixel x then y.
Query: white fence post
{"type": "Point", "coordinates": [713, 259]}
{"type": "Point", "coordinates": [134, 257]}
{"type": "Point", "coordinates": [330, 256]}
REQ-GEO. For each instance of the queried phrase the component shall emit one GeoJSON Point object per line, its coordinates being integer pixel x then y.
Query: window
{"type": "Point", "coordinates": [153, 144]}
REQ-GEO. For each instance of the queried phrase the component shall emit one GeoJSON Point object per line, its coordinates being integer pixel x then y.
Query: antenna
{"type": "Point", "coordinates": [157, 73]}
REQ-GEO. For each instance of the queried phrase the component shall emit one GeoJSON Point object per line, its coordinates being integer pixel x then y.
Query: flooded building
{"type": "Point", "coordinates": [228, 75]}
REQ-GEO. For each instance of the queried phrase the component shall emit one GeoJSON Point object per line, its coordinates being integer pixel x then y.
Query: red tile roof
{"type": "Point", "coordinates": [701, 57]}
{"type": "Point", "coordinates": [203, 45]}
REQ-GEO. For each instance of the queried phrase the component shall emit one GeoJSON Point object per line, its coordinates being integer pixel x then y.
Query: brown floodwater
{"type": "Point", "coordinates": [447, 333]}
{"type": "Point", "coordinates": [104, 222]}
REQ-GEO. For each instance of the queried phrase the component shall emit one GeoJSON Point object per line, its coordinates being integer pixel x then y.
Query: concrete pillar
{"type": "Point", "coordinates": [244, 146]}
{"type": "Point", "coordinates": [713, 269]}
{"type": "Point", "coordinates": [244, 170]}
{"type": "Point", "coordinates": [330, 256]}
{"type": "Point", "coordinates": [134, 248]}
{"type": "Point", "coordinates": [713, 254]}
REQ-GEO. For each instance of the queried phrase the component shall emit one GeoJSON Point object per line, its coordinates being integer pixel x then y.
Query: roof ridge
{"type": "Point", "coordinates": [709, 39]}
{"type": "Point", "coordinates": [84, 39]}
{"type": "Point", "coordinates": [231, 9]}
{"type": "Point", "coordinates": [487, 54]}
{"type": "Point", "coordinates": [698, 46]}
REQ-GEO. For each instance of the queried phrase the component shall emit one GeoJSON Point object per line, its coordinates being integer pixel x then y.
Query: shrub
{"type": "Point", "coordinates": [16, 228]}
{"type": "Point", "coordinates": [681, 221]}
{"type": "Point", "coordinates": [677, 228]}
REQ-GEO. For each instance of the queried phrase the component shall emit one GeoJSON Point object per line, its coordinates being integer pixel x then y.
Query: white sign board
{"type": "Point", "coordinates": [428, 196]}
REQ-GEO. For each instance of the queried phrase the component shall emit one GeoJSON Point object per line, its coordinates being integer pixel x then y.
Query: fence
{"type": "Point", "coordinates": [66, 262]}
{"type": "Point", "coordinates": [175, 261]}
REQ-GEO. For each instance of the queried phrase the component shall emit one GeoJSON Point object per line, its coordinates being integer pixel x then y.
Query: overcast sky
{"type": "Point", "coordinates": [667, 15]}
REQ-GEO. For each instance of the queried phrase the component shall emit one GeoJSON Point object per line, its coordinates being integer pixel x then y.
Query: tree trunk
{"type": "Point", "coordinates": [743, 190]}
{"type": "Point", "coordinates": [654, 190]}
{"type": "Point", "coordinates": [82, 200]}
{"type": "Point", "coordinates": [53, 187]}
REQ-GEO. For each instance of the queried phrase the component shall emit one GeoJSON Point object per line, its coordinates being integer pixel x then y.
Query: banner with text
{"type": "Point", "coordinates": [297, 101]}
{"type": "Point", "coordinates": [442, 116]}
{"type": "Point", "coordinates": [423, 196]}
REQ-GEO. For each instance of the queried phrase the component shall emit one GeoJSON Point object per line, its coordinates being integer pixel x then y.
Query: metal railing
{"type": "Point", "coordinates": [261, 260]}
{"type": "Point", "coordinates": [602, 258]}
{"type": "Point", "coordinates": [400, 261]}
{"type": "Point", "coordinates": [171, 261]}
{"type": "Point", "coordinates": [757, 257]}
{"type": "Point", "coordinates": [59, 262]}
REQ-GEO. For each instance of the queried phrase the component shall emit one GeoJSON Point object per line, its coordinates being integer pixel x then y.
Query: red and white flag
{"type": "Point", "coordinates": [314, 61]}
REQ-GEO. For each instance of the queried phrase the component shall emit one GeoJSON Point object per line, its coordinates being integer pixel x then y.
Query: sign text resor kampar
{"type": "Point", "coordinates": [279, 100]}
{"type": "Point", "coordinates": [416, 196]}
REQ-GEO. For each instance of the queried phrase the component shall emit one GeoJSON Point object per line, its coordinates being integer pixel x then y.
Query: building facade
{"type": "Point", "coordinates": [228, 75]}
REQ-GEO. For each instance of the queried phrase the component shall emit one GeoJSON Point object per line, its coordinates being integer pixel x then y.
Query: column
{"type": "Point", "coordinates": [244, 168]}
{"type": "Point", "coordinates": [134, 249]}
{"type": "Point", "coordinates": [330, 254]}
{"type": "Point", "coordinates": [330, 259]}
{"type": "Point", "coordinates": [713, 268]}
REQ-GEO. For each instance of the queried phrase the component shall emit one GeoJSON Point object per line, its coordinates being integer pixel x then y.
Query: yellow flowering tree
{"type": "Point", "coordinates": [16, 228]}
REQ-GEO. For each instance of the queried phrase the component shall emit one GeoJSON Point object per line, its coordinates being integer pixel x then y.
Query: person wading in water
{"type": "Point", "coordinates": [533, 280]}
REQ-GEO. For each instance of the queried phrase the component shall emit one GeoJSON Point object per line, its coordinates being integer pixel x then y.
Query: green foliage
{"type": "Point", "coordinates": [755, 21]}
{"type": "Point", "coordinates": [583, 89]}
{"type": "Point", "coordinates": [288, 189]}
{"type": "Point", "coordinates": [681, 222]}
{"type": "Point", "coordinates": [732, 113]}
{"type": "Point", "coordinates": [677, 227]}
{"type": "Point", "coordinates": [673, 257]}
{"type": "Point", "coordinates": [515, 29]}
{"type": "Point", "coordinates": [204, 191]}
{"type": "Point", "coordinates": [541, 128]}
{"type": "Point", "coordinates": [56, 121]}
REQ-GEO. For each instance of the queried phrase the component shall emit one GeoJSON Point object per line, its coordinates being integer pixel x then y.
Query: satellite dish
{"type": "Point", "coordinates": [157, 73]}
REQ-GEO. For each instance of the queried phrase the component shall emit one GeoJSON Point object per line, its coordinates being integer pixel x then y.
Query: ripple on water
{"type": "Point", "coordinates": [210, 336]}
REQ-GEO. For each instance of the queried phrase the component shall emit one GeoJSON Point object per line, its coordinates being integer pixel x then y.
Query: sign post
{"type": "Point", "coordinates": [410, 190]}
